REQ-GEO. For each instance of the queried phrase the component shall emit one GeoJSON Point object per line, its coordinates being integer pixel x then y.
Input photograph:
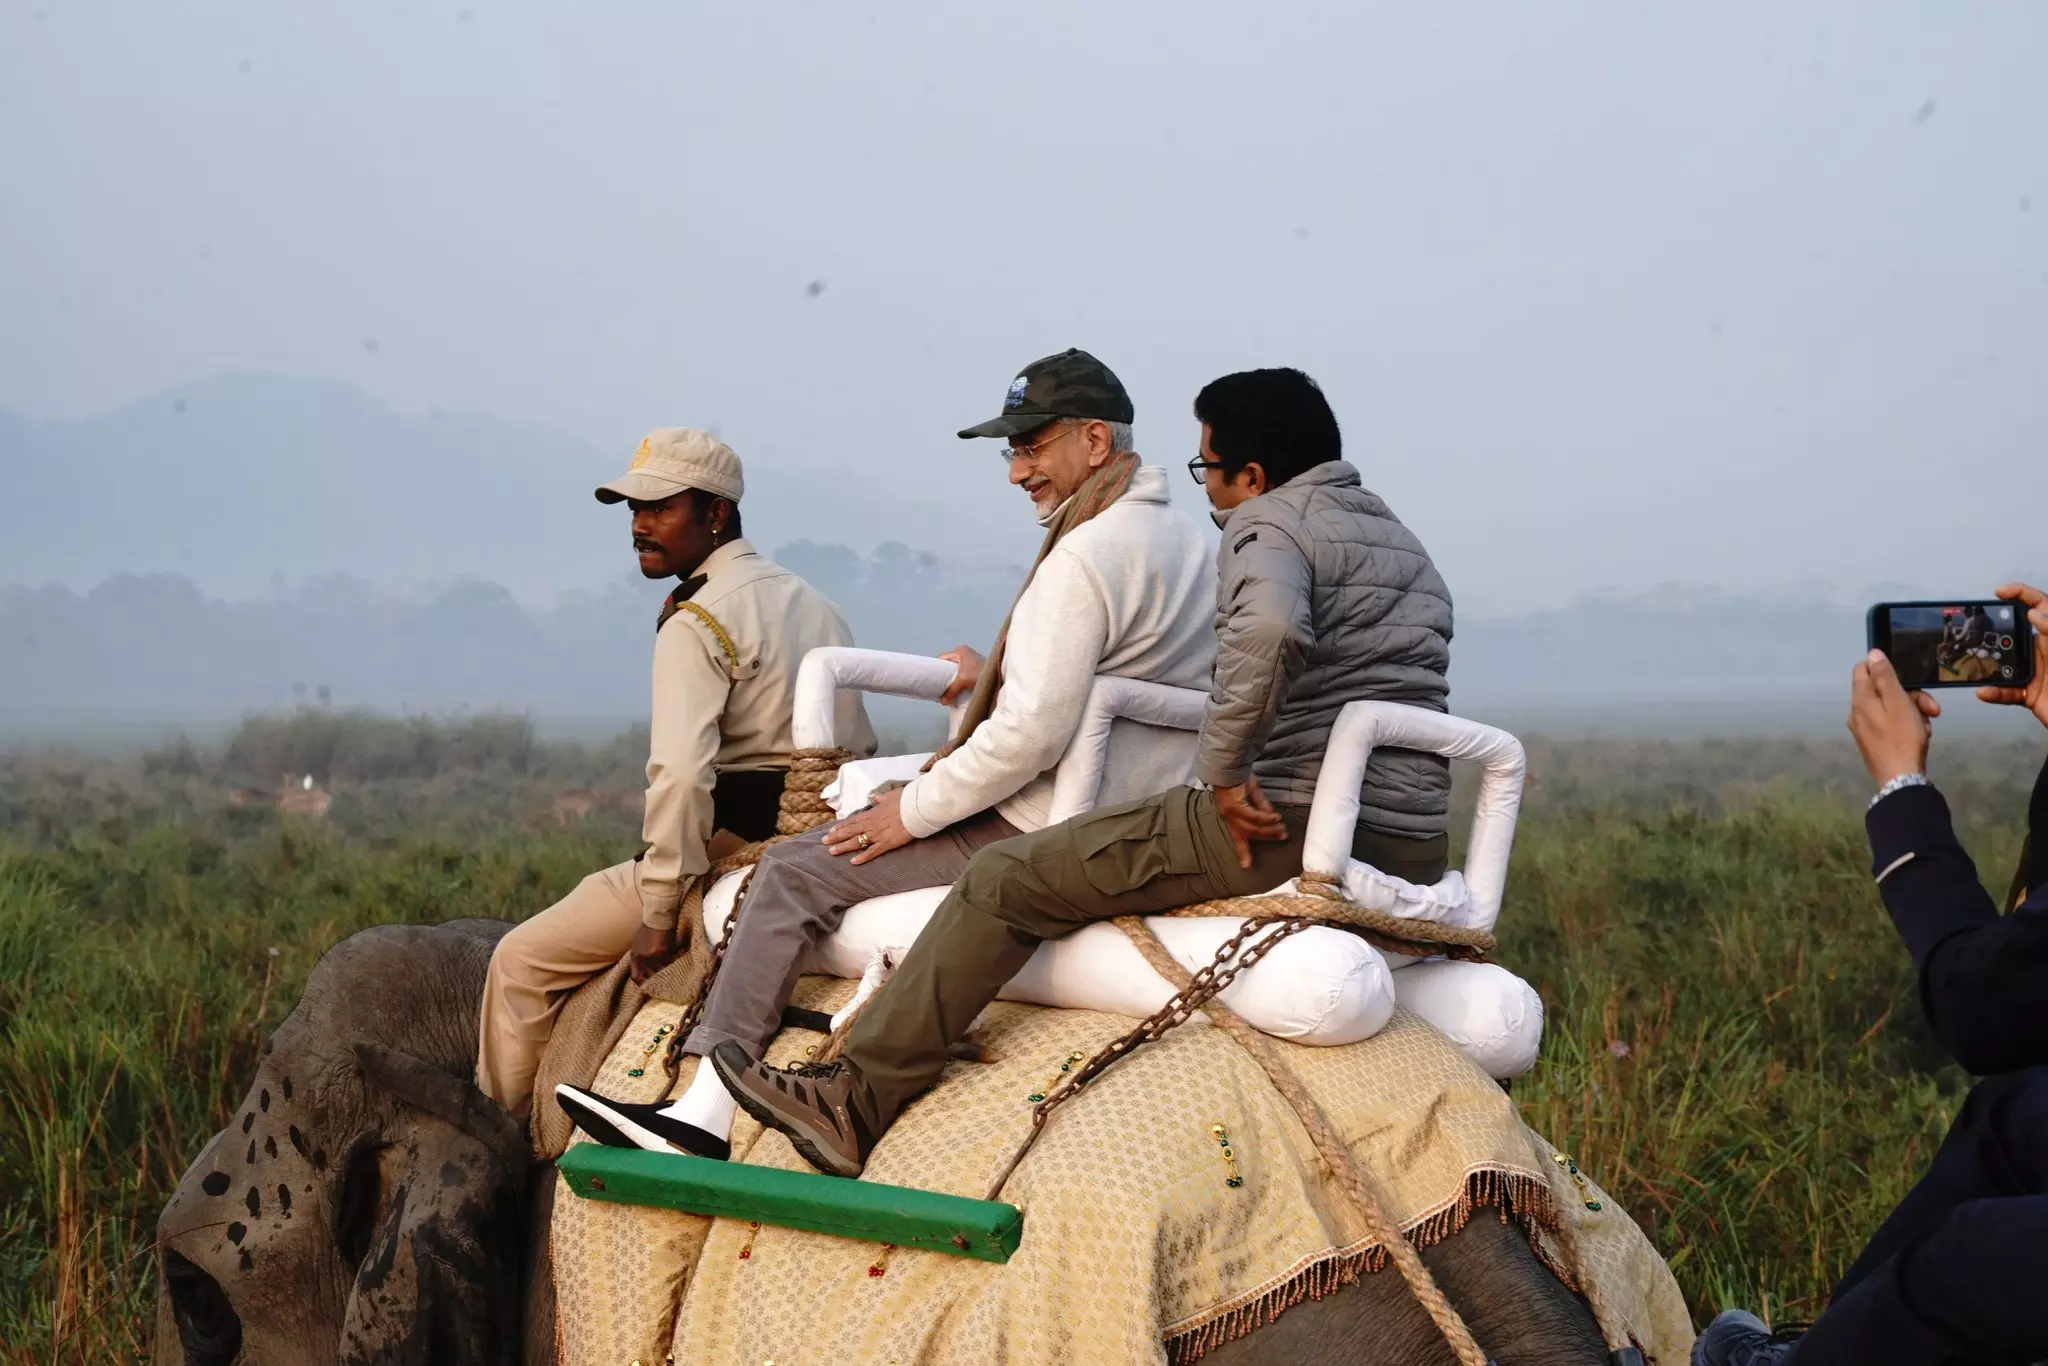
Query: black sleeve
{"type": "Point", "coordinates": [2037, 808]}
{"type": "Point", "coordinates": [1983, 977]}
{"type": "Point", "coordinates": [2032, 874]}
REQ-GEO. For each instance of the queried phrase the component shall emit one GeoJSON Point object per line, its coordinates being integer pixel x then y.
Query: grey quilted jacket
{"type": "Point", "coordinates": [1323, 598]}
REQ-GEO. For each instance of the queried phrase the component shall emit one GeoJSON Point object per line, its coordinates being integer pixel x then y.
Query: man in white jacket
{"type": "Point", "coordinates": [1124, 585]}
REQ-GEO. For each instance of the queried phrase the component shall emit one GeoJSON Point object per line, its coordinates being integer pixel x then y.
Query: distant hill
{"type": "Point", "coordinates": [244, 541]}
{"type": "Point", "coordinates": [243, 482]}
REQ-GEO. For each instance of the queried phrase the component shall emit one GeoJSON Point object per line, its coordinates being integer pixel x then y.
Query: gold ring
{"type": "Point", "coordinates": [863, 842]}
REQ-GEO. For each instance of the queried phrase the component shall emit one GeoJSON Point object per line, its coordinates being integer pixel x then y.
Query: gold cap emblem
{"type": "Point", "coordinates": [641, 456]}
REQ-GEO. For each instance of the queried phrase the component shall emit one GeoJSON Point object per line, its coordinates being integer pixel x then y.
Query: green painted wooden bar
{"type": "Point", "coordinates": [867, 1210]}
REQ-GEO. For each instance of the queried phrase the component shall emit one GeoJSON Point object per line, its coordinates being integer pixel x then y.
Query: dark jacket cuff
{"type": "Point", "coordinates": [1913, 820]}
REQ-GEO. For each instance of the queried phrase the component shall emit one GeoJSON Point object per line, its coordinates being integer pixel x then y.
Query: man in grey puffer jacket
{"type": "Point", "coordinates": [1323, 598]}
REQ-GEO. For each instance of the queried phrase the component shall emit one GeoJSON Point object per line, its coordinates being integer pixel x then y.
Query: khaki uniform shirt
{"type": "Point", "coordinates": [725, 705]}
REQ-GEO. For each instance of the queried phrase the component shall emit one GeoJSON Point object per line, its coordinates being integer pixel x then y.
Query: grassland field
{"type": "Point", "coordinates": [1733, 1046]}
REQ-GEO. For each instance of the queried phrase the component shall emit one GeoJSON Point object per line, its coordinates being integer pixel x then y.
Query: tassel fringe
{"type": "Point", "coordinates": [1513, 1194]}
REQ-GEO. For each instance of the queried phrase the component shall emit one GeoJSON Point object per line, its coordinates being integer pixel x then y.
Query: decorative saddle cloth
{"type": "Point", "coordinates": [1142, 1241]}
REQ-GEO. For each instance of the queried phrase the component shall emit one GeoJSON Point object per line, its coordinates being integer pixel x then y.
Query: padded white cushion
{"type": "Point", "coordinates": [1321, 986]}
{"type": "Point", "coordinates": [1493, 1016]}
{"type": "Point", "coordinates": [857, 781]}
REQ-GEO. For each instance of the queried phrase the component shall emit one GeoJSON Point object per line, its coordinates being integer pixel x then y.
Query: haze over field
{"type": "Point", "coordinates": [337, 317]}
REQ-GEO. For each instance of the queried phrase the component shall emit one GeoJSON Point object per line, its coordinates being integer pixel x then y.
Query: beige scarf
{"type": "Point", "coordinates": [1103, 487]}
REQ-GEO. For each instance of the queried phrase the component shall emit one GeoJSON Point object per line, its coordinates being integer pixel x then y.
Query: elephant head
{"type": "Point", "coordinates": [364, 1204]}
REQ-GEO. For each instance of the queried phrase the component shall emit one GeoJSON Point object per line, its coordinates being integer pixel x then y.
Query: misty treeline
{"type": "Point", "coordinates": [352, 770]}
{"type": "Point", "coordinates": [156, 646]}
{"type": "Point", "coordinates": [357, 746]}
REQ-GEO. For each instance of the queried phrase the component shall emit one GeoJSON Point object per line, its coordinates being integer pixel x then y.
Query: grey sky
{"type": "Point", "coordinates": [1604, 295]}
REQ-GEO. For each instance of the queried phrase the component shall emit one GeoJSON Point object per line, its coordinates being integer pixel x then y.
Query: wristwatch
{"type": "Point", "coordinates": [1898, 784]}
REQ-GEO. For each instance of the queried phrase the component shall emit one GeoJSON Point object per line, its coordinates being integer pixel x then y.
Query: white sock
{"type": "Point", "coordinates": [706, 1104]}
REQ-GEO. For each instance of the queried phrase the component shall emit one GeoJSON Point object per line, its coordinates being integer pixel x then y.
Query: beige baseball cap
{"type": "Point", "coordinates": [671, 459]}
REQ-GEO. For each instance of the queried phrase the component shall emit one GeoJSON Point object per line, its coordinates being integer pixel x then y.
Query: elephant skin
{"type": "Point", "coordinates": [359, 1207]}
{"type": "Point", "coordinates": [368, 1205]}
{"type": "Point", "coordinates": [1518, 1313]}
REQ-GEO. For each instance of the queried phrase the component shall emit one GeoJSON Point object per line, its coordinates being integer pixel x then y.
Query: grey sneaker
{"type": "Point", "coordinates": [810, 1102]}
{"type": "Point", "coordinates": [1737, 1337]}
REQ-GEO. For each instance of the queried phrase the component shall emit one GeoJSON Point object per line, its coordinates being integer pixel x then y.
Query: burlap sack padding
{"type": "Point", "coordinates": [1134, 1247]}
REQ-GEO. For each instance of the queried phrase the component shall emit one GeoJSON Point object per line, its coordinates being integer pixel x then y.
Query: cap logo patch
{"type": "Point", "coordinates": [1016, 396]}
{"type": "Point", "coordinates": [644, 454]}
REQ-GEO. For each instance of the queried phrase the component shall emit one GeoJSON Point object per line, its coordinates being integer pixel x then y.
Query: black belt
{"type": "Point", "coordinates": [747, 803]}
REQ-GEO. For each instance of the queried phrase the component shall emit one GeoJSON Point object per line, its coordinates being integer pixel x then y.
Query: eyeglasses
{"type": "Point", "coordinates": [1200, 468]}
{"type": "Point", "coordinates": [1031, 451]}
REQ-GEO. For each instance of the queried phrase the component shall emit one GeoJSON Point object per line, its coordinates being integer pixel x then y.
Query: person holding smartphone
{"type": "Point", "coordinates": [1955, 1273]}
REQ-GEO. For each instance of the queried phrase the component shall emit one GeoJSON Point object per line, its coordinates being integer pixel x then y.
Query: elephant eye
{"type": "Point", "coordinates": [358, 1201]}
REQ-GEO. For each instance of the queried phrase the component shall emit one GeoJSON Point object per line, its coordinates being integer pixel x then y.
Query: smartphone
{"type": "Point", "coordinates": [1955, 644]}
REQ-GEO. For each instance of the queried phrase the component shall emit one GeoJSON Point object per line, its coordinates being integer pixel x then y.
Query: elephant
{"type": "Point", "coordinates": [368, 1204]}
{"type": "Point", "coordinates": [359, 1206]}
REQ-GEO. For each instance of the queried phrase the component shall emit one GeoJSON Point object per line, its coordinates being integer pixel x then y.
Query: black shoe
{"type": "Point", "coordinates": [1737, 1337]}
{"type": "Point", "coordinates": [620, 1124]}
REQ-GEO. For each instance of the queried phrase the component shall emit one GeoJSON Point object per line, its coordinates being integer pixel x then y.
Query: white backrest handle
{"type": "Point", "coordinates": [1077, 780]}
{"type": "Point", "coordinates": [1362, 726]}
{"type": "Point", "coordinates": [831, 669]}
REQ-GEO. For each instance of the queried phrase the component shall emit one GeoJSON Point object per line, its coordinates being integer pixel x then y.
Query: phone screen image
{"type": "Point", "coordinates": [1956, 643]}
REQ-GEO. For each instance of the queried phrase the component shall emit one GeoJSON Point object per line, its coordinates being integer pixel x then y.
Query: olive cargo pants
{"type": "Point", "coordinates": [1139, 858]}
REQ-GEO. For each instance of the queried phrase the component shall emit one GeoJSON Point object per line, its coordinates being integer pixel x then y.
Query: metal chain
{"type": "Point", "coordinates": [1216, 975]}
{"type": "Point", "coordinates": [672, 1057]}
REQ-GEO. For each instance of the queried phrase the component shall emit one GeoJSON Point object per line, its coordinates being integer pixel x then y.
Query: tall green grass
{"type": "Point", "coordinates": [144, 957]}
{"type": "Point", "coordinates": [1733, 1047]}
{"type": "Point", "coordinates": [1732, 1043]}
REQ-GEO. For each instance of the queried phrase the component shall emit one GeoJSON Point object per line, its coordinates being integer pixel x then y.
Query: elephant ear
{"type": "Point", "coordinates": [451, 1099]}
{"type": "Point", "coordinates": [426, 1215]}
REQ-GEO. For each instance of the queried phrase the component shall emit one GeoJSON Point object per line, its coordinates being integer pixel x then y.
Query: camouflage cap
{"type": "Point", "coordinates": [1071, 384]}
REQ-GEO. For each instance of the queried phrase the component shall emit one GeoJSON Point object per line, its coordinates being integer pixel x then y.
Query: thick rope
{"type": "Point", "coordinates": [835, 1042]}
{"type": "Point", "coordinates": [1322, 898]}
{"type": "Point", "coordinates": [811, 771]}
{"type": "Point", "coordinates": [1355, 1180]}
{"type": "Point", "coordinates": [1351, 1175]}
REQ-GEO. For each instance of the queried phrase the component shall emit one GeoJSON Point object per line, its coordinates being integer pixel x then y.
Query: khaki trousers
{"type": "Point", "coordinates": [534, 969]}
{"type": "Point", "coordinates": [1139, 858]}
